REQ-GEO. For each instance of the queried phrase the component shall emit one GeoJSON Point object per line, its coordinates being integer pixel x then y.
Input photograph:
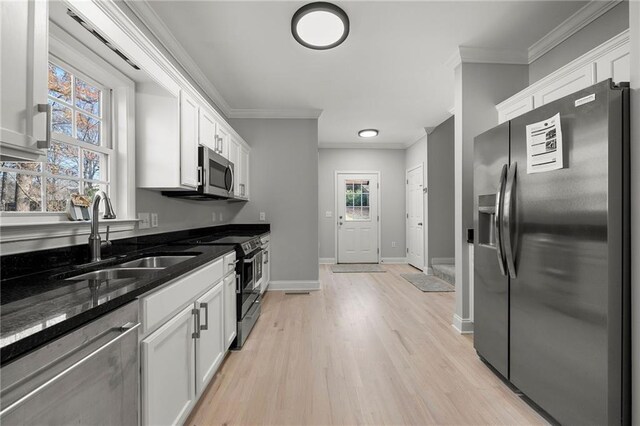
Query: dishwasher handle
{"type": "Point", "coordinates": [124, 330]}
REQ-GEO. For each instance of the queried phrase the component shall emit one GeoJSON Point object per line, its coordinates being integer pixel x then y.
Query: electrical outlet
{"type": "Point", "coordinates": [145, 222]}
{"type": "Point", "coordinates": [394, 244]}
{"type": "Point", "coordinates": [220, 217]}
{"type": "Point", "coordinates": [263, 216]}
{"type": "Point", "coordinates": [154, 220]}
{"type": "Point", "coordinates": [328, 214]}
{"type": "Point", "coordinates": [214, 216]}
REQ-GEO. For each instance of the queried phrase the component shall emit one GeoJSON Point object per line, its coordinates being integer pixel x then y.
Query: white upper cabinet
{"type": "Point", "coordinates": [223, 137]}
{"type": "Point", "coordinates": [207, 134]}
{"type": "Point", "coordinates": [23, 100]}
{"type": "Point", "coordinates": [233, 157]}
{"type": "Point", "coordinates": [189, 175]}
{"type": "Point", "coordinates": [609, 60]}
{"type": "Point", "coordinates": [243, 173]}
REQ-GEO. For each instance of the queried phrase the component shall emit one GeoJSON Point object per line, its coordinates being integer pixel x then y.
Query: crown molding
{"type": "Point", "coordinates": [161, 32]}
{"type": "Point", "coordinates": [481, 55]}
{"type": "Point", "coordinates": [574, 23]}
{"type": "Point", "coordinates": [275, 113]}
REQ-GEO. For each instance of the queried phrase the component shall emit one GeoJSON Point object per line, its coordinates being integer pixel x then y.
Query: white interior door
{"type": "Point", "coordinates": [357, 217]}
{"type": "Point", "coordinates": [415, 217]}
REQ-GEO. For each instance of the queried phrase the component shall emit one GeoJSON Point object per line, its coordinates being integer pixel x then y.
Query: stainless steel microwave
{"type": "Point", "coordinates": [215, 174]}
{"type": "Point", "coordinates": [215, 178]}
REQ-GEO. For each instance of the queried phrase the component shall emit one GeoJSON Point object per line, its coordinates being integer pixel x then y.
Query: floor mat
{"type": "Point", "coordinates": [356, 267]}
{"type": "Point", "coordinates": [428, 282]}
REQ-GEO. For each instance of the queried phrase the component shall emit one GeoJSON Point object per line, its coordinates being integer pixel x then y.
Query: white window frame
{"type": "Point", "coordinates": [34, 226]}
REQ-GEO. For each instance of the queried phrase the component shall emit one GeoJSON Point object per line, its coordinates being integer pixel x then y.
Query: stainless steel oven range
{"type": "Point", "coordinates": [248, 279]}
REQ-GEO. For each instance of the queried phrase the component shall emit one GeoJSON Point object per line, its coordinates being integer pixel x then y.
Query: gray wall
{"type": "Point", "coordinates": [635, 205]}
{"type": "Point", "coordinates": [441, 189]}
{"type": "Point", "coordinates": [478, 89]}
{"type": "Point", "coordinates": [284, 185]}
{"type": "Point", "coordinates": [597, 32]}
{"type": "Point", "coordinates": [390, 164]}
{"type": "Point", "coordinates": [175, 214]}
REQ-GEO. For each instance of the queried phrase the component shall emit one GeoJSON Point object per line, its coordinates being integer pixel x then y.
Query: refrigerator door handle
{"type": "Point", "coordinates": [506, 219]}
{"type": "Point", "coordinates": [497, 219]}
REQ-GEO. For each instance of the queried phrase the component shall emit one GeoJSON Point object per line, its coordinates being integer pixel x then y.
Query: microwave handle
{"type": "Point", "coordinates": [200, 176]}
{"type": "Point", "coordinates": [233, 178]}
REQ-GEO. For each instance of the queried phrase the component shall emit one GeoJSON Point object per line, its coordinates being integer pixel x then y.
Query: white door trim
{"type": "Point", "coordinates": [425, 215]}
{"type": "Point", "coordinates": [335, 207]}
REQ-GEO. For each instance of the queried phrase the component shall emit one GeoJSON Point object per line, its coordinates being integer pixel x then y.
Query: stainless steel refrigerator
{"type": "Point", "coordinates": [552, 253]}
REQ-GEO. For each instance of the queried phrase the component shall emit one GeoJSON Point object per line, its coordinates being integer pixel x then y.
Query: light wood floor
{"type": "Point", "coordinates": [366, 349]}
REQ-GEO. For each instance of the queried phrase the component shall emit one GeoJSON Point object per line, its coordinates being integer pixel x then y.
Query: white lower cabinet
{"type": "Point", "coordinates": [168, 372]}
{"type": "Point", "coordinates": [230, 299]}
{"type": "Point", "coordinates": [186, 333]}
{"type": "Point", "coordinates": [210, 347]}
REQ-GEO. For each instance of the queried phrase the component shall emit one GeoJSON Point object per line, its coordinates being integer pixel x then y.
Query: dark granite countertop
{"type": "Point", "coordinates": [39, 303]}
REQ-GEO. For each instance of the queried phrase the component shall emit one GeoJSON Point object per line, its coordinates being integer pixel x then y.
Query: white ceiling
{"type": "Point", "coordinates": [389, 74]}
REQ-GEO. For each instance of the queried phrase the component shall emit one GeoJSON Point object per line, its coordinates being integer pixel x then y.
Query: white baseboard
{"type": "Point", "coordinates": [289, 285]}
{"type": "Point", "coordinates": [464, 326]}
{"type": "Point", "coordinates": [443, 261]}
{"type": "Point", "coordinates": [394, 260]}
{"type": "Point", "coordinates": [327, 260]}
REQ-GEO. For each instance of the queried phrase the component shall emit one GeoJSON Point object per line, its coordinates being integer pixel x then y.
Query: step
{"type": "Point", "coordinates": [446, 272]}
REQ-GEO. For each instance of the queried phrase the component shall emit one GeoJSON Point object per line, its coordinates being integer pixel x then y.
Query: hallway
{"type": "Point", "coordinates": [366, 349]}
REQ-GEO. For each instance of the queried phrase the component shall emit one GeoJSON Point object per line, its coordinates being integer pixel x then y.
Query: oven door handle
{"type": "Point", "coordinates": [251, 259]}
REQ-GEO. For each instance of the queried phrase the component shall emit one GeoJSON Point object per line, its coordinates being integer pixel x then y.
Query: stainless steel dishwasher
{"type": "Point", "coordinates": [87, 377]}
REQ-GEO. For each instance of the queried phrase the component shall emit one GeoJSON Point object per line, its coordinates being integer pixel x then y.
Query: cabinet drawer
{"type": "Point", "coordinates": [160, 305]}
{"type": "Point", "coordinates": [229, 263]}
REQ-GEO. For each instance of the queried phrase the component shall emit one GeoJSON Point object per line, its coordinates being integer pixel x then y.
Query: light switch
{"type": "Point", "coordinates": [154, 220]}
{"type": "Point", "coordinates": [145, 221]}
{"type": "Point", "coordinates": [263, 216]}
{"type": "Point", "coordinates": [328, 214]}
{"type": "Point", "coordinates": [214, 216]}
{"type": "Point", "coordinates": [220, 217]}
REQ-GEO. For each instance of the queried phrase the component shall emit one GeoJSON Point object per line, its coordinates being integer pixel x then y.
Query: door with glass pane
{"type": "Point", "coordinates": [357, 219]}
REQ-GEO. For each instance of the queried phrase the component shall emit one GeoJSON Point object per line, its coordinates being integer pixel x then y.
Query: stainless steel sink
{"type": "Point", "coordinates": [156, 261]}
{"type": "Point", "coordinates": [114, 274]}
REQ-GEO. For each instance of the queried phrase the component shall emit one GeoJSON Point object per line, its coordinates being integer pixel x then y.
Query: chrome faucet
{"type": "Point", "coordinates": [95, 244]}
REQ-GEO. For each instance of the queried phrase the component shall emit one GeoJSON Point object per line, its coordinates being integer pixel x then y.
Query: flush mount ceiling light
{"type": "Point", "coordinates": [320, 25]}
{"type": "Point", "coordinates": [368, 133]}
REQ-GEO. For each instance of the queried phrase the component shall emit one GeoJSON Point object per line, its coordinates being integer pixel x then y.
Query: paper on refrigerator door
{"type": "Point", "coordinates": [544, 145]}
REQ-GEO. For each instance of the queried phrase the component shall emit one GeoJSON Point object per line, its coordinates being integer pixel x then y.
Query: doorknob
{"type": "Point", "coordinates": [419, 223]}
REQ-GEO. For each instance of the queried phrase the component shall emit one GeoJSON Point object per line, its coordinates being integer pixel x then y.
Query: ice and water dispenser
{"type": "Point", "coordinates": [487, 220]}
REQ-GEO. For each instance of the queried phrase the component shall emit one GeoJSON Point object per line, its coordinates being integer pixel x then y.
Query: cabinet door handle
{"type": "Point", "coordinates": [47, 109]}
{"type": "Point", "coordinates": [237, 283]}
{"type": "Point", "coordinates": [196, 323]}
{"type": "Point", "coordinates": [206, 316]}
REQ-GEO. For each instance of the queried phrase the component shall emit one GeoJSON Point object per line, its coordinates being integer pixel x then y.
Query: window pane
{"type": "Point", "coordinates": [58, 192]}
{"type": "Point", "coordinates": [90, 189]}
{"type": "Point", "coordinates": [60, 118]}
{"type": "Point", "coordinates": [92, 165]}
{"type": "Point", "coordinates": [365, 199]}
{"type": "Point", "coordinates": [87, 97]}
{"type": "Point", "coordinates": [22, 165]}
{"type": "Point", "coordinates": [63, 160]}
{"type": "Point", "coordinates": [20, 192]}
{"type": "Point", "coordinates": [349, 195]}
{"type": "Point", "coordinates": [59, 83]}
{"type": "Point", "coordinates": [357, 188]}
{"type": "Point", "coordinates": [87, 129]}
{"type": "Point", "coordinates": [357, 200]}
{"type": "Point", "coordinates": [349, 214]}
{"type": "Point", "coordinates": [365, 213]}
{"type": "Point", "coordinates": [365, 187]}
